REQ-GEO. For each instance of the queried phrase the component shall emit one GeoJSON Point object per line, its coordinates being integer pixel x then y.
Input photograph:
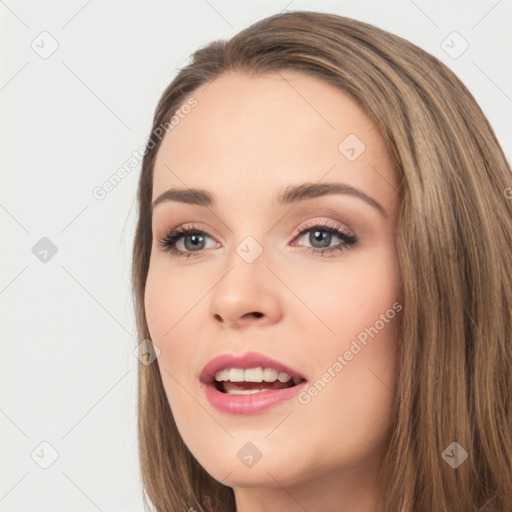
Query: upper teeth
{"type": "Point", "coordinates": [253, 375]}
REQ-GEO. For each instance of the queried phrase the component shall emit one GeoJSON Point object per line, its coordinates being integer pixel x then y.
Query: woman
{"type": "Point", "coordinates": [323, 261]}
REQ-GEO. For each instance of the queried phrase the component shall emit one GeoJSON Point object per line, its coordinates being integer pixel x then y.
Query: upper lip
{"type": "Point", "coordinates": [247, 360]}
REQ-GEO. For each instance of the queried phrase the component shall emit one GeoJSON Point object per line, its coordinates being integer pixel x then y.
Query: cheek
{"type": "Point", "coordinates": [347, 416]}
{"type": "Point", "coordinates": [168, 303]}
{"type": "Point", "coordinates": [356, 365]}
{"type": "Point", "coordinates": [168, 298]}
{"type": "Point", "coordinates": [156, 300]}
{"type": "Point", "coordinates": [351, 297]}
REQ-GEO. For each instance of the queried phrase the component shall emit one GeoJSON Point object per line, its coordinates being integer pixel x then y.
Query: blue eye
{"type": "Point", "coordinates": [321, 235]}
{"type": "Point", "coordinates": [194, 240]}
{"type": "Point", "coordinates": [194, 237]}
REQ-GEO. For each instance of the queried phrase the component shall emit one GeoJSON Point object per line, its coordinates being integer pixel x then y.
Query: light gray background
{"type": "Point", "coordinates": [68, 122]}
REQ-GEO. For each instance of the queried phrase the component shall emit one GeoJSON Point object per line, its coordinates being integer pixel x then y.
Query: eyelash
{"type": "Point", "coordinates": [169, 241]}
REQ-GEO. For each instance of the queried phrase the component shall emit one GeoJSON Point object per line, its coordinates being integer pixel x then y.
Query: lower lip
{"type": "Point", "coordinates": [250, 404]}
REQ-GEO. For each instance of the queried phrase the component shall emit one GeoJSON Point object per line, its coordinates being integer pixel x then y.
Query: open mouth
{"type": "Point", "coordinates": [236, 381]}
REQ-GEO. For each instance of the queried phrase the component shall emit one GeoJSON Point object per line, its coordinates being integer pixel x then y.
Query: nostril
{"type": "Point", "coordinates": [257, 314]}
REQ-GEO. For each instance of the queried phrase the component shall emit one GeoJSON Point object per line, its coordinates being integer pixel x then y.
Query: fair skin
{"type": "Point", "coordinates": [247, 139]}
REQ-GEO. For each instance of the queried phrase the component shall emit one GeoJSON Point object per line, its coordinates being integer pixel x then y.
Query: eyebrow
{"type": "Point", "coordinates": [292, 194]}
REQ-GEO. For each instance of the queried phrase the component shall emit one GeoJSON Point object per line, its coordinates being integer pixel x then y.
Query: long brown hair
{"type": "Point", "coordinates": [454, 246]}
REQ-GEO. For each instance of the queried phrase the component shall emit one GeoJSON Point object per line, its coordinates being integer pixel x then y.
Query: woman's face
{"type": "Point", "coordinates": [246, 281]}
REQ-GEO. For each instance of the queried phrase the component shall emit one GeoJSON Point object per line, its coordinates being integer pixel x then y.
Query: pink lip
{"type": "Point", "coordinates": [249, 404]}
{"type": "Point", "coordinates": [246, 404]}
{"type": "Point", "coordinates": [248, 360]}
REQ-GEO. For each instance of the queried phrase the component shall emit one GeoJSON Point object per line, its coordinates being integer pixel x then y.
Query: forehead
{"type": "Point", "coordinates": [249, 134]}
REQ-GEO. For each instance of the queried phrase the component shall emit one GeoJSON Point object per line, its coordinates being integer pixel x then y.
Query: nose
{"type": "Point", "coordinates": [246, 295]}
